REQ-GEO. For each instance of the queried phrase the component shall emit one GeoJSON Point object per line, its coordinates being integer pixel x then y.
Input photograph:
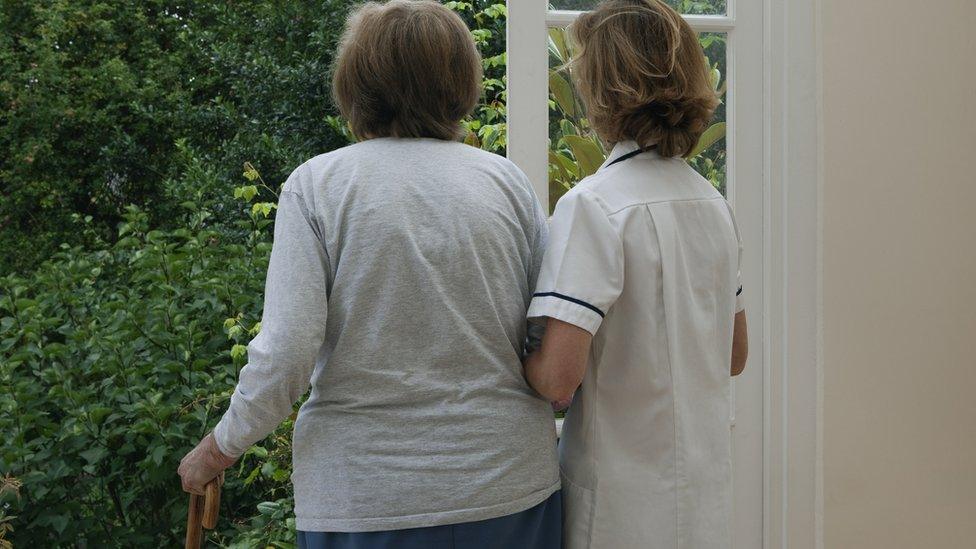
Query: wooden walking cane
{"type": "Point", "coordinates": [202, 513]}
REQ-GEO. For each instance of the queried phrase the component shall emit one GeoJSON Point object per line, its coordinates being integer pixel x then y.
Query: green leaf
{"type": "Point", "coordinates": [588, 155]}
{"type": "Point", "coordinates": [496, 11]}
{"type": "Point", "coordinates": [238, 351]}
{"type": "Point", "coordinates": [562, 91]}
{"type": "Point", "coordinates": [557, 44]}
{"type": "Point", "coordinates": [250, 173]}
{"type": "Point", "coordinates": [269, 507]}
{"type": "Point", "coordinates": [716, 77]}
{"type": "Point", "coordinates": [94, 455]}
{"type": "Point", "coordinates": [707, 139]}
{"type": "Point", "coordinates": [157, 455]}
{"type": "Point", "coordinates": [263, 208]}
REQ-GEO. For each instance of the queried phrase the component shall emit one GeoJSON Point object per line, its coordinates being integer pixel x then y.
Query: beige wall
{"type": "Point", "coordinates": [899, 273]}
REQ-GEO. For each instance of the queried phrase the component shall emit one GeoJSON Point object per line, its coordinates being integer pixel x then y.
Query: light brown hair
{"type": "Point", "coordinates": [641, 73]}
{"type": "Point", "coordinates": [406, 68]}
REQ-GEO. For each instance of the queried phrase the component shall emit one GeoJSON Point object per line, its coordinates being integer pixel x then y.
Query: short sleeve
{"type": "Point", "coordinates": [582, 271]}
{"type": "Point", "coordinates": [739, 299]}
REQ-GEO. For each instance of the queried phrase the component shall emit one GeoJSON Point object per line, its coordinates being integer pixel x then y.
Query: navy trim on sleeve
{"type": "Point", "coordinates": [571, 300]}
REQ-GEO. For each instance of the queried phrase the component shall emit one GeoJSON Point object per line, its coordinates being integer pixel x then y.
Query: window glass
{"type": "Point", "coordinates": [575, 151]}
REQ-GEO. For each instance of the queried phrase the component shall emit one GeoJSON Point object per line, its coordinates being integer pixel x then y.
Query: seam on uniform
{"type": "Point", "coordinates": [615, 212]}
{"type": "Point", "coordinates": [674, 403]}
{"type": "Point", "coordinates": [579, 302]}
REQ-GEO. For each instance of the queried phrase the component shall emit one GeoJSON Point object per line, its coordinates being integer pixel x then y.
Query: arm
{"type": "Point", "coordinates": [580, 279]}
{"type": "Point", "coordinates": [740, 335]}
{"type": "Point", "coordinates": [557, 368]}
{"type": "Point", "coordinates": [538, 244]}
{"type": "Point", "coordinates": [282, 356]}
{"type": "Point", "coordinates": [740, 344]}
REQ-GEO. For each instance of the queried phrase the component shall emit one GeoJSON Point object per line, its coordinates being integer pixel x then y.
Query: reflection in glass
{"type": "Point", "coordinates": [575, 151]}
{"type": "Point", "coordinates": [687, 7]}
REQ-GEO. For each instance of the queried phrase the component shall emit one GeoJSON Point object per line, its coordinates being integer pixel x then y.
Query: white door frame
{"type": "Point", "coordinates": [792, 219]}
{"type": "Point", "coordinates": [781, 116]}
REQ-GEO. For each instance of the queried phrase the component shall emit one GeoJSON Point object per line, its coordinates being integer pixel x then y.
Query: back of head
{"type": "Point", "coordinates": [642, 75]}
{"type": "Point", "coordinates": [406, 68]}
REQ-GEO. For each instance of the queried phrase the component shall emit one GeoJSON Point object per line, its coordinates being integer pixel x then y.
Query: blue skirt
{"type": "Point", "coordinates": [537, 528]}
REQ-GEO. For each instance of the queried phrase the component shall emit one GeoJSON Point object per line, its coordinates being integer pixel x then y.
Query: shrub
{"type": "Point", "coordinates": [115, 364]}
{"type": "Point", "coordinates": [96, 96]}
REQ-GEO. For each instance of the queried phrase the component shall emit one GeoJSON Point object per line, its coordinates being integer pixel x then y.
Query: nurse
{"type": "Point", "coordinates": [640, 293]}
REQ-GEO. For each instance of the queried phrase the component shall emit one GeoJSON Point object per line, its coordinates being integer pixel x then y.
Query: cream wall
{"type": "Point", "coordinates": [899, 273]}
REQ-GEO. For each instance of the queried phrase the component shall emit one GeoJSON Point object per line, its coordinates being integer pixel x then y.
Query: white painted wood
{"type": "Point", "coordinates": [744, 144]}
{"type": "Point", "coordinates": [528, 92]}
{"type": "Point", "coordinates": [792, 273]}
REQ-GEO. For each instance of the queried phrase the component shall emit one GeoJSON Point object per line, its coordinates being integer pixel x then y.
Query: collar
{"type": "Point", "coordinates": [619, 149]}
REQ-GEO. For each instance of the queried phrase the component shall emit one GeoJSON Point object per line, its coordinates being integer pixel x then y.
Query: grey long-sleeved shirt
{"type": "Point", "coordinates": [400, 276]}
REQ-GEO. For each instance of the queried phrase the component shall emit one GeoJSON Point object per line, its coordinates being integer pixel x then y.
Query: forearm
{"type": "Point", "coordinates": [268, 388]}
{"type": "Point", "coordinates": [557, 368]}
{"type": "Point", "coordinates": [546, 380]}
{"type": "Point", "coordinates": [740, 344]}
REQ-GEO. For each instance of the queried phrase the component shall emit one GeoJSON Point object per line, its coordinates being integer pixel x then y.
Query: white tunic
{"type": "Point", "coordinates": [645, 254]}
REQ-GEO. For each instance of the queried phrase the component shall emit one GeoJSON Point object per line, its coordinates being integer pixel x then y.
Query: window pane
{"type": "Point", "coordinates": [688, 7]}
{"type": "Point", "coordinates": [574, 149]}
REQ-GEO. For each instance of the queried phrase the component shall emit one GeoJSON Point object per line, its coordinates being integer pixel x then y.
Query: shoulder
{"type": "Point", "coordinates": [648, 179]}
{"type": "Point", "coordinates": [495, 162]}
{"type": "Point", "coordinates": [501, 170]}
{"type": "Point", "coordinates": [302, 179]}
{"type": "Point", "coordinates": [581, 203]}
{"type": "Point", "coordinates": [596, 189]}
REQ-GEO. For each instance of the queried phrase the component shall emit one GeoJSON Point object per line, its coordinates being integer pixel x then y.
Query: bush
{"type": "Point", "coordinates": [97, 97]}
{"type": "Point", "coordinates": [115, 365]}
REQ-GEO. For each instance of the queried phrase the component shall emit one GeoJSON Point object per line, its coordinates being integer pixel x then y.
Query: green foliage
{"type": "Point", "coordinates": [114, 365]}
{"type": "Point", "coordinates": [100, 101]}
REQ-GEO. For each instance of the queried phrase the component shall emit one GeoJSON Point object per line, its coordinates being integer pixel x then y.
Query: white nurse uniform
{"type": "Point", "coordinates": [644, 254]}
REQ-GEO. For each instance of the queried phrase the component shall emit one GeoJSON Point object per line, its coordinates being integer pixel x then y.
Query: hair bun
{"type": "Point", "coordinates": [668, 114]}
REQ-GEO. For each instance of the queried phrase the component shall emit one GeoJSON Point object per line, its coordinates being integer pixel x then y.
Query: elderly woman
{"type": "Point", "coordinates": [398, 287]}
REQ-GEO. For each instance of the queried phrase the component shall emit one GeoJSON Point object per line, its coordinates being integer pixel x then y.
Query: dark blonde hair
{"type": "Point", "coordinates": [406, 68]}
{"type": "Point", "coordinates": [642, 75]}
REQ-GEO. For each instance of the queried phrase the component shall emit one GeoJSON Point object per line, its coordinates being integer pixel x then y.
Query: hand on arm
{"type": "Point", "coordinates": [556, 369]}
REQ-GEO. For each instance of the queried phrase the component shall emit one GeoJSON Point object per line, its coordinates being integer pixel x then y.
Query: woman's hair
{"type": "Point", "coordinates": [642, 75]}
{"type": "Point", "coordinates": [406, 68]}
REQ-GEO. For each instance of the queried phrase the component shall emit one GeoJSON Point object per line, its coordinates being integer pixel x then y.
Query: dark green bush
{"type": "Point", "coordinates": [114, 365]}
{"type": "Point", "coordinates": [96, 96]}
